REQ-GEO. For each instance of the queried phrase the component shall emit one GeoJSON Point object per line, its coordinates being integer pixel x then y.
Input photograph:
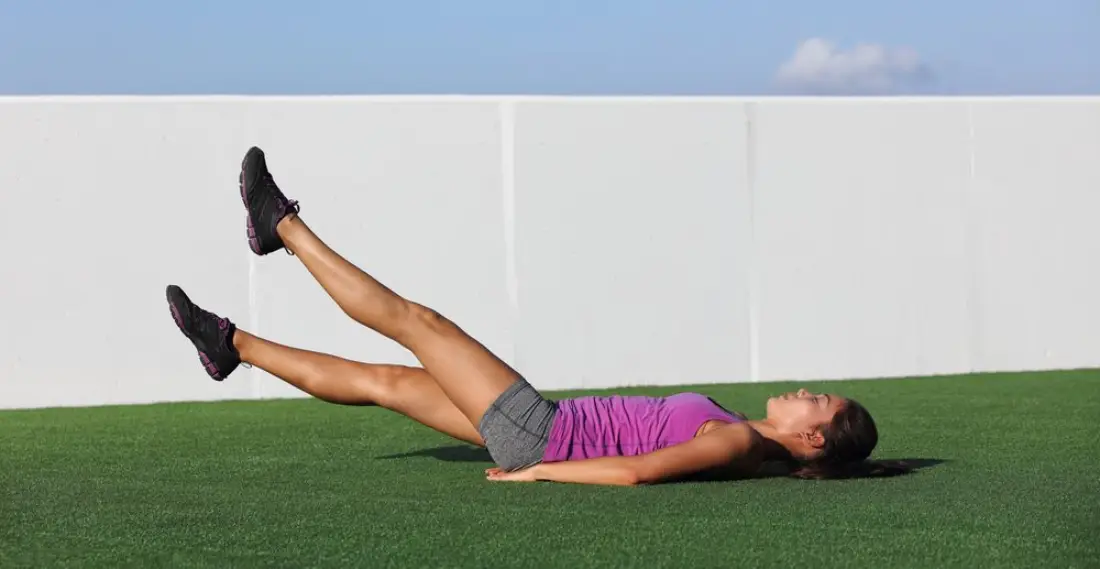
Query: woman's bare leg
{"type": "Point", "coordinates": [468, 373]}
{"type": "Point", "coordinates": [406, 390]}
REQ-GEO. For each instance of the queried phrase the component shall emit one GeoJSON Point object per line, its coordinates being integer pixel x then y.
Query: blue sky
{"type": "Point", "coordinates": [670, 47]}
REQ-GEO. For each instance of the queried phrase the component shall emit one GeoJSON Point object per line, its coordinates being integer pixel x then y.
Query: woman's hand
{"type": "Point", "coordinates": [499, 475]}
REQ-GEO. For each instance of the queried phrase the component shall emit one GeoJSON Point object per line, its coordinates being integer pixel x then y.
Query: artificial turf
{"type": "Point", "coordinates": [1013, 480]}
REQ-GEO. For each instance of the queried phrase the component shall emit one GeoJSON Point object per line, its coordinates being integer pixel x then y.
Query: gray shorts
{"type": "Point", "coordinates": [516, 427]}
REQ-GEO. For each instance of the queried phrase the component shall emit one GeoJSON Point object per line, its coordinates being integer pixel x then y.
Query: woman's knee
{"type": "Point", "coordinates": [388, 386]}
{"type": "Point", "coordinates": [422, 320]}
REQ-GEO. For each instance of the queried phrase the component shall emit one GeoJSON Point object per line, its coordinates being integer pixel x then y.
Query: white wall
{"type": "Point", "coordinates": [591, 242]}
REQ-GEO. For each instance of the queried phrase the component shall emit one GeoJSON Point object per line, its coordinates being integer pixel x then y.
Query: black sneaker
{"type": "Point", "coordinates": [265, 202]}
{"type": "Point", "coordinates": [211, 334]}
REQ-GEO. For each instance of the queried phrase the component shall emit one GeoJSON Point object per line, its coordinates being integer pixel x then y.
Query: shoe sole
{"type": "Point", "coordinates": [176, 316]}
{"type": "Point", "coordinates": [253, 242]}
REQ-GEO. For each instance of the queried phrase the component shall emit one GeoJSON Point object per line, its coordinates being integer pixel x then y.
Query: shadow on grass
{"type": "Point", "coordinates": [455, 453]}
{"type": "Point", "coordinates": [464, 453]}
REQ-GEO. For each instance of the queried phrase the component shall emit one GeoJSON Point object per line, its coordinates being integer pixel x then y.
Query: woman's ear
{"type": "Point", "coordinates": [804, 445]}
{"type": "Point", "coordinates": [812, 439]}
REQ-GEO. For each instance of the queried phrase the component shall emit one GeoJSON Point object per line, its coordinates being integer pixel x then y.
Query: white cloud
{"type": "Point", "coordinates": [819, 66]}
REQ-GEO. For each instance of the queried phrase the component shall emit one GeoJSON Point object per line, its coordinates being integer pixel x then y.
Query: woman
{"type": "Point", "coordinates": [592, 440]}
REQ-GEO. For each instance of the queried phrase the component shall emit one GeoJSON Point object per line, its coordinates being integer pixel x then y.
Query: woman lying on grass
{"type": "Point", "coordinates": [622, 440]}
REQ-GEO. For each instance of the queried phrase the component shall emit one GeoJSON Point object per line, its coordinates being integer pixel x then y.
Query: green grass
{"type": "Point", "coordinates": [302, 483]}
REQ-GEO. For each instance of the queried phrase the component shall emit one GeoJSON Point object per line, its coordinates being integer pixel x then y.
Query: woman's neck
{"type": "Point", "coordinates": [774, 449]}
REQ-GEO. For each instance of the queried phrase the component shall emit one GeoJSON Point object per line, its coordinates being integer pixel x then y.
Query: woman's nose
{"type": "Point", "coordinates": [802, 392]}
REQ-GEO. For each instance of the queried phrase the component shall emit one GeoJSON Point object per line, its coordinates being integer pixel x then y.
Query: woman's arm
{"type": "Point", "coordinates": [735, 444]}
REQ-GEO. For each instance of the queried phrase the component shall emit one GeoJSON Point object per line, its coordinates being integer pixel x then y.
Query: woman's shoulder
{"type": "Point", "coordinates": [740, 446]}
{"type": "Point", "coordinates": [751, 449]}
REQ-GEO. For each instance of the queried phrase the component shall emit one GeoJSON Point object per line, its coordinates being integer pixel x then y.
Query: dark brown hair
{"type": "Point", "coordinates": [849, 439]}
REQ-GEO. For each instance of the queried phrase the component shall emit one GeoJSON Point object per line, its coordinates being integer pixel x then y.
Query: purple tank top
{"type": "Point", "coordinates": [617, 425]}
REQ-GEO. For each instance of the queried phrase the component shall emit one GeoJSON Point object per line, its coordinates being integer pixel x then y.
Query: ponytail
{"type": "Point", "coordinates": [820, 470]}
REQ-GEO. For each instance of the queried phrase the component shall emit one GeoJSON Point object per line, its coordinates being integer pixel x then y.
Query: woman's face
{"type": "Point", "coordinates": [802, 412]}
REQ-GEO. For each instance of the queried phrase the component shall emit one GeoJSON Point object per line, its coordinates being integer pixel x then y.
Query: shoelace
{"type": "Point", "coordinates": [269, 179]}
{"type": "Point", "coordinates": [223, 324]}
